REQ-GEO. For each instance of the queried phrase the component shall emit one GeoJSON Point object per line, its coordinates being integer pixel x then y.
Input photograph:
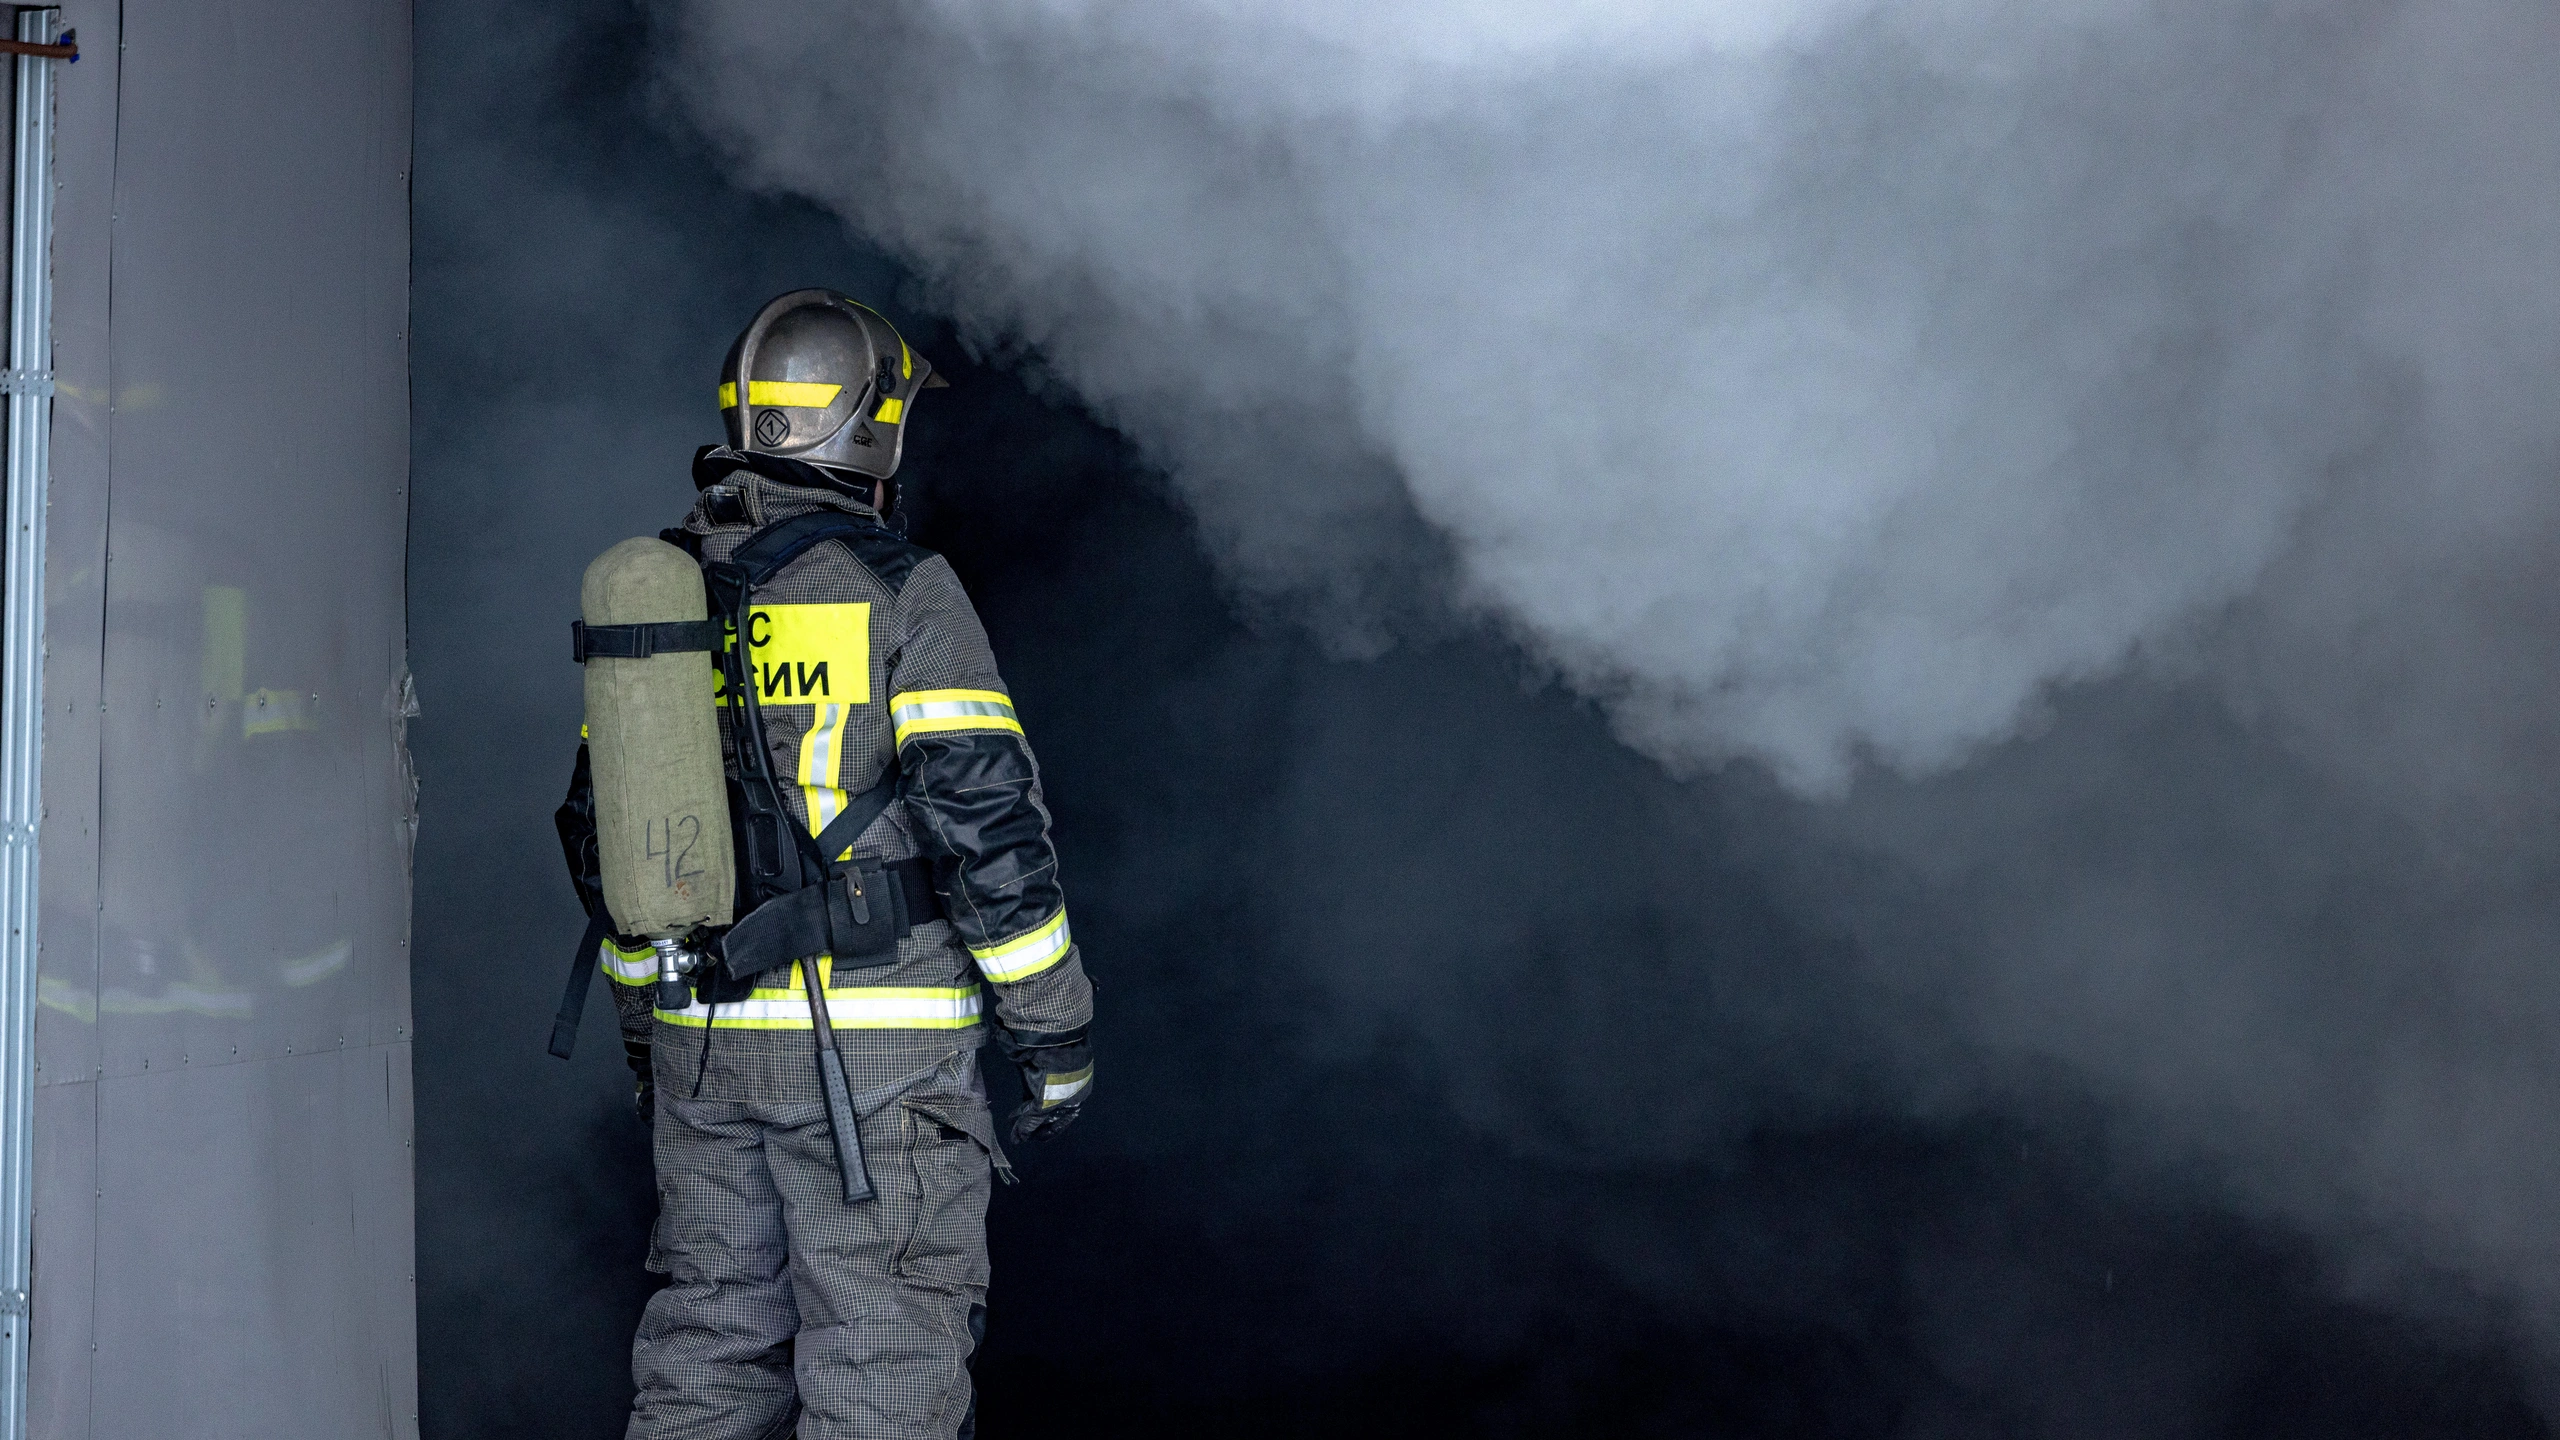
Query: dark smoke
{"type": "Point", "coordinates": [1463, 1072]}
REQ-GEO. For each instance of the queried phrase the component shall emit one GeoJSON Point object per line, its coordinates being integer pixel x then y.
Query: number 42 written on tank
{"type": "Point", "coordinates": [673, 838]}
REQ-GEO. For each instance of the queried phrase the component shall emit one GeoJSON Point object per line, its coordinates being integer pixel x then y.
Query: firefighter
{"type": "Point", "coordinates": [822, 1224]}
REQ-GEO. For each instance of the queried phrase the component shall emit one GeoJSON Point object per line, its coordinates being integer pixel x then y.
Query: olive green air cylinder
{"type": "Point", "coordinates": [653, 745]}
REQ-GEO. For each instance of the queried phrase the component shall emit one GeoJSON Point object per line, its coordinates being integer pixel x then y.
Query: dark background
{"type": "Point", "coordinates": [1296, 1207]}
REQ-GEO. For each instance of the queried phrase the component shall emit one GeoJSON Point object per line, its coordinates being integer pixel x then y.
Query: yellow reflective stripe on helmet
{"type": "Point", "coordinates": [923, 712]}
{"type": "Point", "coordinates": [890, 411]}
{"type": "Point", "coordinates": [859, 1008]}
{"type": "Point", "coordinates": [802, 394]}
{"type": "Point", "coordinates": [628, 967]}
{"type": "Point", "coordinates": [1059, 1089]}
{"type": "Point", "coordinates": [805, 394]}
{"type": "Point", "coordinates": [1026, 955]}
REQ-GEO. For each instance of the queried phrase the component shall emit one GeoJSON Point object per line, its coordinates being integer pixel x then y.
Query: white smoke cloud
{"type": "Point", "coordinates": [1808, 381]}
{"type": "Point", "coordinates": [1834, 384]}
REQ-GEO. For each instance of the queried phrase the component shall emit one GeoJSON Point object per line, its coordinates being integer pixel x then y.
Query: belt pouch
{"type": "Point", "coordinates": [862, 914]}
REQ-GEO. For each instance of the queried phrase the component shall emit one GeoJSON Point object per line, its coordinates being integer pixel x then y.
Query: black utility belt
{"type": "Point", "coordinates": [858, 914]}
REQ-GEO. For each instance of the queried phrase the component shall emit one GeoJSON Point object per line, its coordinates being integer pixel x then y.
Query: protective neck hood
{"type": "Point", "coordinates": [715, 463]}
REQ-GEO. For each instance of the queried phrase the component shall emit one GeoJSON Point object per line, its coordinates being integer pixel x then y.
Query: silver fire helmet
{"type": "Point", "coordinates": [821, 378]}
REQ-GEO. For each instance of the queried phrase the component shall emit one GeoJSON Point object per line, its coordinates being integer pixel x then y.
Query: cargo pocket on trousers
{"type": "Point", "coordinates": [656, 1263]}
{"type": "Point", "coordinates": [949, 1143]}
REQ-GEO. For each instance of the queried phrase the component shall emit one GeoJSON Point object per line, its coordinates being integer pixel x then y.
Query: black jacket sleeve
{"type": "Point", "coordinates": [969, 780]}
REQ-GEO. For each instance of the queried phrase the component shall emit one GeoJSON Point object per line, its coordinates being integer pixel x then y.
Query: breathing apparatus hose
{"type": "Point", "coordinates": [729, 587]}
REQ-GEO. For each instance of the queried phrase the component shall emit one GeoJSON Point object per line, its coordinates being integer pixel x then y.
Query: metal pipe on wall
{"type": "Point", "coordinates": [28, 385]}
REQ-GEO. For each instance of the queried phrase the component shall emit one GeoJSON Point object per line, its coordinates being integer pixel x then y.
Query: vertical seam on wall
{"type": "Point", "coordinates": [106, 568]}
{"type": "Point", "coordinates": [405, 763]}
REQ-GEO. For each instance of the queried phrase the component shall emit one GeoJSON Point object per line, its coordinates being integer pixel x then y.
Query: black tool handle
{"type": "Point", "coordinates": [840, 1121]}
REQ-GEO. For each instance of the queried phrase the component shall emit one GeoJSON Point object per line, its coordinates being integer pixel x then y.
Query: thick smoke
{"type": "Point", "coordinates": [1807, 381]}
{"type": "Point", "coordinates": [2109, 443]}
{"type": "Point", "coordinates": [1464, 1071]}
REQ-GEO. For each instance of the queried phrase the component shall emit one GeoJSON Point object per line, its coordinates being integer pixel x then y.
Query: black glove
{"type": "Point", "coordinates": [1057, 1078]}
{"type": "Point", "coordinates": [644, 1081]}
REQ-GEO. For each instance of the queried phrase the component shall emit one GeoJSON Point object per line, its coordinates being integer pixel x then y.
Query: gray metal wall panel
{"type": "Point", "coordinates": [387, 1212]}
{"type": "Point", "coordinates": [76, 556]}
{"type": "Point", "coordinates": [66, 1173]}
{"type": "Point", "coordinates": [254, 1310]}
{"type": "Point", "coordinates": [75, 589]}
{"type": "Point", "coordinates": [253, 862]}
{"type": "Point", "coordinates": [225, 894]}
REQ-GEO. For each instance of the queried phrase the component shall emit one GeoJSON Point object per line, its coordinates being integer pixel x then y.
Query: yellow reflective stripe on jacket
{"type": "Point", "coordinates": [818, 751]}
{"type": "Point", "coordinates": [1059, 1089]}
{"type": "Point", "coordinates": [925, 712]}
{"type": "Point", "coordinates": [628, 967]}
{"type": "Point", "coordinates": [800, 394]}
{"type": "Point", "coordinates": [881, 1007]}
{"type": "Point", "coordinates": [1026, 955]}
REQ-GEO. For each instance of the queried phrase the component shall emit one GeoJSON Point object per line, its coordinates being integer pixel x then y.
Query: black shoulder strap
{"type": "Point", "coordinates": [858, 813]}
{"type": "Point", "coordinates": [776, 545]}
{"type": "Point", "coordinates": [573, 998]}
{"type": "Point", "coordinates": [731, 584]}
{"type": "Point", "coordinates": [886, 553]}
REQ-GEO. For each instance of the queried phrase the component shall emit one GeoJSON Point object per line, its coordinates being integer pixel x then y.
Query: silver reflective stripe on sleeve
{"type": "Point", "coordinates": [926, 712]}
{"type": "Point", "coordinates": [1024, 956]}
{"type": "Point", "coordinates": [1059, 1089]}
{"type": "Point", "coordinates": [628, 967]}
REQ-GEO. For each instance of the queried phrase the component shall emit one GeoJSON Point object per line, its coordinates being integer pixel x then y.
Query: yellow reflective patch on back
{"type": "Point", "coordinates": [808, 655]}
{"type": "Point", "coordinates": [890, 411]}
{"type": "Point", "coordinates": [728, 396]}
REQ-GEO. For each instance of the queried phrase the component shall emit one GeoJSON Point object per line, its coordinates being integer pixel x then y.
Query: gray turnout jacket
{"type": "Point", "coordinates": [866, 654]}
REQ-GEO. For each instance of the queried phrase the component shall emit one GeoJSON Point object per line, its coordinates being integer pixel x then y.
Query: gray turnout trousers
{"type": "Point", "coordinates": [785, 1302]}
